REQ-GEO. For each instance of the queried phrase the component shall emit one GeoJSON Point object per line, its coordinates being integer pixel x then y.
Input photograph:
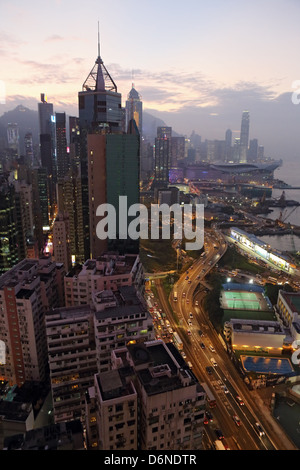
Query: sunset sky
{"type": "Point", "coordinates": [196, 64]}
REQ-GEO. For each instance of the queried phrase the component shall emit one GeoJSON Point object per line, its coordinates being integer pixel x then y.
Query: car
{"type": "Point", "coordinates": [213, 362]}
{"type": "Point", "coordinates": [196, 303]}
{"type": "Point", "coordinates": [209, 416]}
{"type": "Point", "coordinates": [183, 294]}
{"type": "Point", "coordinates": [190, 322]}
{"type": "Point", "coordinates": [225, 389]}
{"type": "Point", "coordinates": [209, 370]}
{"type": "Point", "coordinates": [219, 434]}
{"type": "Point", "coordinates": [183, 354]}
{"type": "Point", "coordinates": [189, 282]}
{"type": "Point", "coordinates": [212, 348]}
{"type": "Point", "coordinates": [186, 278]}
{"type": "Point", "coordinates": [239, 400]}
{"type": "Point", "coordinates": [236, 419]}
{"type": "Point", "coordinates": [189, 332]}
{"type": "Point", "coordinates": [202, 345]}
{"type": "Point", "coordinates": [191, 315]}
{"type": "Point", "coordinates": [190, 364]}
{"type": "Point", "coordinates": [187, 301]}
{"type": "Point", "coordinates": [259, 429]}
{"type": "Point", "coordinates": [201, 333]}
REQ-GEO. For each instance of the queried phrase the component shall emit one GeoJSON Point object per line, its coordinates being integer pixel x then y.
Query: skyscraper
{"type": "Point", "coordinates": [113, 171]}
{"type": "Point", "coordinates": [8, 226]}
{"type": "Point", "coordinates": [47, 146]}
{"type": "Point", "coordinates": [163, 148]}
{"type": "Point", "coordinates": [134, 109]}
{"type": "Point", "coordinates": [13, 138]}
{"type": "Point", "coordinates": [244, 136]}
{"type": "Point", "coordinates": [109, 157]}
{"type": "Point", "coordinates": [228, 142]}
{"type": "Point", "coordinates": [62, 156]}
{"type": "Point", "coordinates": [28, 143]}
{"type": "Point", "coordinates": [99, 112]}
{"type": "Point", "coordinates": [253, 151]}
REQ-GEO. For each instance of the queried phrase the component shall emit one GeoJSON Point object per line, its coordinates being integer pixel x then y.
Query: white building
{"type": "Point", "coordinates": [171, 402]}
{"type": "Point", "coordinates": [108, 272]}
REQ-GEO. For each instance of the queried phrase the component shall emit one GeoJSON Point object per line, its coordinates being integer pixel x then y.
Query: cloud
{"type": "Point", "coordinates": [54, 38]}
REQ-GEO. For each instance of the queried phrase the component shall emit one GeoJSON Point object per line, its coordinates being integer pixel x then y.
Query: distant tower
{"type": "Point", "coordinates": [134, 109]}
{"type": "Point", "coordinates": [47, 146]}
{"type": "Point", "coordinates": [28, 143]}
{"type": "Point", "coordinates": [244, 136]}
{"type": "Point", "coordinates": [163, 148]}
{"type": "Point", "coordinates": [13, 138]}
{"type": "Point", "coordinates": [253, 151]}
{"type": "Point", "coordinates": [62, 156]}
{"type": "Point", "coordinates": [228, 143]}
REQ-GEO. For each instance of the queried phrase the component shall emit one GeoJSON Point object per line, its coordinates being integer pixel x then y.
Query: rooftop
{"type": "Point", "coordinates": [292, 299]}
{"type": "Point", "coordinates": [161, 371]}
{"type": "Point", "coordinates": [113, 384]}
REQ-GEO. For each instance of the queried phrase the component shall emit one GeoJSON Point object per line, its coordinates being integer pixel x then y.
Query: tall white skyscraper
{"type": "Point", "coordinates": [244, 136]}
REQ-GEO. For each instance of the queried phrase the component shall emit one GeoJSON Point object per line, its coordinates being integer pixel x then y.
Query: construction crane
{"type": "Point", "coordinates": [281, 219]}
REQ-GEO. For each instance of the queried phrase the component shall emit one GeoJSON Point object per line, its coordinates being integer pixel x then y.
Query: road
{"type": "Point", "coordinates": [198, 335]}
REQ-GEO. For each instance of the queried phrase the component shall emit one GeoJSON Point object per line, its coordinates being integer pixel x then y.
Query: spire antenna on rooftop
{"type": "Point", "coordinates": [98, 41]}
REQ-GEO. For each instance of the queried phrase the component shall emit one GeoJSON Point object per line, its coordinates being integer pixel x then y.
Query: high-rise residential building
{"type": "Point", "coordinates": [9, 254]}
{"type": "Point", "coordinates": [244, 136]}
{"type": "Point", "coordinates": [62, 154]}
{"type": "Point", "coordinates": [100, 111]}
{"type": "Point", "coordinates": [108, 272]}
{"type": "Point", "coordinates": [69, 194]}
{"type": "Point", "coordinates": [26, 292]}
{"type": "Point", "coordinates": [163, 148]}
{"type": "Point", "coordinates": [177, 150]}
{"type": "Point", "coordinates": [40, 201]}
{"type": "Point", "coordinates": [150, 400]}
{"type": "Point", "coordinates": [29, 155]}
{"type": "Point", "coordinates": [24, 213]}
{"type": "Point", "coordinates": [47, 146]}
{"type": "Point", "coordinates": [134, 110]}
{"type": "Point", "coordinates": [80, 340]}
{"type": "Point", "coordinates": [69, 201]}
{"type": "Point", "coordinates": [61, 240]}
{"type": "Point", "coordinates": [147, 159]}
{"type": "Point", "coordinates": [74, 142]}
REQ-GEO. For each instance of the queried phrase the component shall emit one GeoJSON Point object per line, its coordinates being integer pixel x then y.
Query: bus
{"type": "Point", "coordinates": [177, 341]}
{"type": "Point", "coordinates": [175, 296]}
{"type": "Point", "coordinates": [209, 396]}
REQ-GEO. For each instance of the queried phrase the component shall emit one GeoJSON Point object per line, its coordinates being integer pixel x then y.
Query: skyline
{"type": "Point", "coordinates": [197, 68]}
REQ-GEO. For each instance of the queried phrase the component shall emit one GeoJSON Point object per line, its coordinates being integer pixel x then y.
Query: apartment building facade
{"type": "Point", "coordinates": [80, 340]}
{"type": "Point", "coordinates": [26, 292]}
{"type": "Point", "coordinates": [171, 402]}
{"type": "Point", "coordinates": [107, 272]}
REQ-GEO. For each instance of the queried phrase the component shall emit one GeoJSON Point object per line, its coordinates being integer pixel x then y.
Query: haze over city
{"type": "Point", "coordinates": [197, 66]}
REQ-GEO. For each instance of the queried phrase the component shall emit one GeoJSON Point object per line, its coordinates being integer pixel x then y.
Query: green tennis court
{"type": "Point", "coordinates": [243, 300]}
{"type": "Point", "coordinates": [243, 304]}
{"type": "Point", "coordinates": [240, 295]}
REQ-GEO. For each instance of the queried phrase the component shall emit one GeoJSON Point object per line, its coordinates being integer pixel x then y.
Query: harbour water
{"type": "Point", "coordinates": [289, 173]}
